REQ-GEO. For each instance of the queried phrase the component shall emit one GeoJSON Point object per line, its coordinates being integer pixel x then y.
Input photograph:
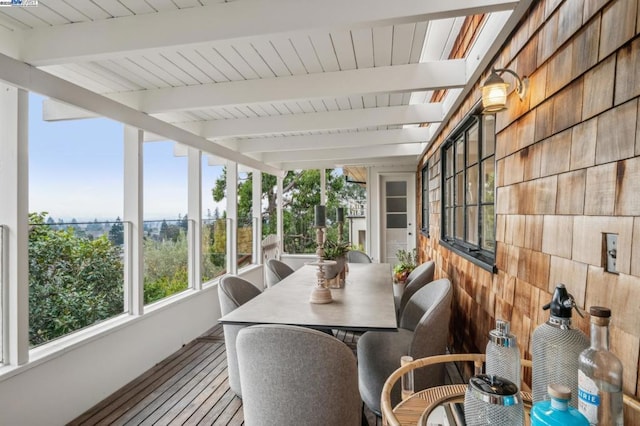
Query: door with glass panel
{"type": "Point", "coordinates": [397, 215]}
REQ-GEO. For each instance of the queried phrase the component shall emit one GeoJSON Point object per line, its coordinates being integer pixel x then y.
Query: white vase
{"type": "Point", "coordinates": [330, 271]}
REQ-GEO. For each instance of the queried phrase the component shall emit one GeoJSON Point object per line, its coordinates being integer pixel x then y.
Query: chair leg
{"type": "Point", "coordinates": [365, 422]}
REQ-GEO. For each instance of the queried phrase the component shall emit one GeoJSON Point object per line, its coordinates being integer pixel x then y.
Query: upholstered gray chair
{"type": "Point", "coordinates": [418, 278]}
{"type": "Point", "coordinates": [277, 271]}
{"type": "Point", "coordinates": [424, 331]}
{"type": "Point", "coordinates": [233, 292]}
{"type": "Point", "coordinates": [357, 256]}
{"type": "Point", "coordinates": [297, 376]}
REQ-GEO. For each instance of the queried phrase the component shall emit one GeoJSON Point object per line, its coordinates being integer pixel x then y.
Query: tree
{"type": "Point", "coordinates": [73, 282]}
{"type": "Point", "coordinates": [116, 233]}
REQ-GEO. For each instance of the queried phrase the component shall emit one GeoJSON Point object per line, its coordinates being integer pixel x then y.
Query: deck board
{"type": "Point", "coordinates": [188, 388]}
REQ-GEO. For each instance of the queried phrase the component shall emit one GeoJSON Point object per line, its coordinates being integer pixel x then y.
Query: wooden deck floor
{"type": "Point", "coordinates": [188, 388]}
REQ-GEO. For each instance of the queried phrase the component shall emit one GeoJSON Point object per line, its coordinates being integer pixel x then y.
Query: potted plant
{"type": "Point", "coordinates": [407, 262]}
{"type": "Point", "coordinates": [335, 250]}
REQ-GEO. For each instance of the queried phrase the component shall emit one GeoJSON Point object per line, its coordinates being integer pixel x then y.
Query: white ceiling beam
{"type": "Point", "coordinates": [27, 77]}
{"type": "Point", "coordinates": [336, 140]}
{"type": "Point", "coordinates": [399, 78]}
{"type": "Point", "coordinates": [408, 160]}
{"type": "Point", "coordinates": [87, 41]}
{"type": "Point", "coordinates": [320, 121]}
{"type": "Point", "coordinates": [338, 155]}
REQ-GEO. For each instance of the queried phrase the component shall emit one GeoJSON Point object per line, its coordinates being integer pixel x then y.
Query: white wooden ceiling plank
{"type": "Point", "coordinates": [130, 71]}
{"type": "Point", "coordinates": [204, 66]}
{"type": "Point", "coordinates": [397, 99]}
{"type": "Point", "coordinates": [158, 66]}
{"type": "Point", "coordinates": [139, 7]}
{"type": "Point", "coordinates": [294, 107]}
{"type": "Point", "coordinates": [267, 110]}
{"type": "Point", "coordinates": [382, 41]}
{"type": "Point", "coordinates": [197, 115]}
{"type": "Point", "coordinates": [107, 78]}
{"type": "Point", "coordinates": [419, 34]}
{"type": "Point", "coordinates": [269, 55]}
{"type": "Point", "coordinates": [219, 68]}
{"type": "Point", "coordinates": [215, 115]}
{"type": "Point", "coordinates": [90, 9]}
{"type": "Point", "coordinates": [406, 98]}
{"type": "Point", "coordinates": [363, 47]}
{"type": "Point", "coordinates": [324, 49]}
{"type": "Point", "coordinates": [331, 104]}
{"type": "Point", "coordinates": [114, 8]}
{"type": "Point", "coordinates": [183, 4]}
{"type": "Point", "coordinates": [224, 113]}
{"type": "Point", "coordinates": [382, 100]}
{"type": "Point", "coordinates": [48, 15]}
{"type": "Point", "coordinates": [402, 42]}
{"type": "Point", "coordinates": [230, 21]}
{"type": "Point", "coordinates": [69, 12]}
{"type": "Point", "coordinates": [307, 53]}
{"type": "Point", "coordinates": [343, 47]}
{"type": "Point", "coordinates": [281, 108]}
{"type": "Point", "coordinates": [341, 153]}
{"type": "Point", "coordinates": [288, 54]}
{"type": "Point", "coordinates": [306, 106]}
{"type": "Point", "coordinates": [184, 62]}
{"type": "Point", "coordinates": [406, 161]}
{"type": "Point", "coordinates": [162, 5]}
{"type": "Point", "coordinates": [253, 59]}
{"type": "Point", "coordinates": [356, 102]}
{"type": "Point", "coordinates": [70, 73]}
{"type": "Point", "coordinates": [12, 24]}
{"type": "Point", "coordinates": [24, 17]}
{"type": "Point", "coordinates": [173, 65]}
{"type": "Point", "coordinates": [245, 112]}
{"type": "Point", "coordinates": [318, 105]}
{"type": "Point", "coordinates": [231, 63]}
{"type": "Point", "coordinates": [369, 101]}
{"type": "Point", "coordinates": [207, 115]}
{"type": "Point", "coordinates": [433, 75]}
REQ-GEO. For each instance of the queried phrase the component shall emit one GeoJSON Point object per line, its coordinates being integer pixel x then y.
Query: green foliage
{"type": "Point", "coordinates": [73, 282]}
{"type": "Point", "coordinates": [407, 262]}
{"type": "Point", "coordinates": [333, 249]}
{"type": "Point", "coordinates": [116, 233]}
{"type": "Point", "coordinates": [165, 267]}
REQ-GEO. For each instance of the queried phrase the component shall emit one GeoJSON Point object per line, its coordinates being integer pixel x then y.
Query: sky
{"type": "Point", "coordinates": [76, 171]}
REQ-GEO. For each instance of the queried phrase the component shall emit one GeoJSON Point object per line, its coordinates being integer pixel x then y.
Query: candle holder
{"type": "Point", "coordinates": [320, 293]}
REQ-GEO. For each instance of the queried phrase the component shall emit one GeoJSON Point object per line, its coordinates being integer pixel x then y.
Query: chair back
{"type": "Point", "coordinates": [233, 292]}
{"type": "Point", "coordinates": [297, 376]}
{"type": "Point", "coordinates": [419, 277]}
{"type": "Point", "coordinates": [357, 256]}
{"type": "Point", "coordinates": [277, 271]}
{"type": "Point", "coordinates": [428, 313]}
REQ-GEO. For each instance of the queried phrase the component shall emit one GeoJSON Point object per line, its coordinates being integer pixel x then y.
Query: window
{"type": "Point", "coordinates": [425, 199]}
{"type": "Point", "coordinates": [468, 219]}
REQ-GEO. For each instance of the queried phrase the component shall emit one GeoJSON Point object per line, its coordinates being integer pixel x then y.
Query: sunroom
{"type": "Point", "coordinates": [132, 126]}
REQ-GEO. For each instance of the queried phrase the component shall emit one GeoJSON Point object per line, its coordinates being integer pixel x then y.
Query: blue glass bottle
{"type": "Point", "coordinates": [556, 412]}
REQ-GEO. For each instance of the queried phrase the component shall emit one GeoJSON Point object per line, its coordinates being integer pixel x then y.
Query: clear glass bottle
{"type": "Point", "coordinates": [407, 378]}
{"type": "Point", "coordinates": [556, 412]}
{"type": "Point", "coordinates": [503, 355]}
{"type": "Point", "coordinates": [556, 346]}
{"type": "Point", "coordinates": [600, 375]}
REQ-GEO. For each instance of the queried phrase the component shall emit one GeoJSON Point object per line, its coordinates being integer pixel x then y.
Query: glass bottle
{"type": "Point", "coordinates": [503, 355]}
{"type": "Point", "coordinates": [407, 378]}
{"type": "Point", "coordinates": [600, 375]}
{"type": "Point", "coordinates": [556, 412]}
{"type": "Point", "coordinates": [556, 346]}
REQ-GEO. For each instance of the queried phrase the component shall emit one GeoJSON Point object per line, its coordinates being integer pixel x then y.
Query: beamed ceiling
{"type": "Point", "coordinates": [274, 85]}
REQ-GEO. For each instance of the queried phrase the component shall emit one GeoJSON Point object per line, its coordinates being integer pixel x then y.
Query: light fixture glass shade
{"type": "Point", "coordinates": [494, 96]}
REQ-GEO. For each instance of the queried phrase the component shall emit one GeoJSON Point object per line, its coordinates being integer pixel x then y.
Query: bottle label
{"type": "Point", "coordinates": [588, 399]}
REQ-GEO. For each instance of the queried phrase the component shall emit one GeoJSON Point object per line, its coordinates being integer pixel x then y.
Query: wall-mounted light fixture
{"type": "Point", "coordinates": [494, 90]}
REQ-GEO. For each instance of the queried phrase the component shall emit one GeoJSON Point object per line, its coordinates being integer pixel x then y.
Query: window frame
{"type": "Point", "coordinates": [477, 252]}
{"type": "Point", "coordinates": [424, 225]}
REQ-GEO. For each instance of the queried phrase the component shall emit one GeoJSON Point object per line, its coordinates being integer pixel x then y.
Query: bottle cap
{"type": "Point", "coordinates": [561, 304]}
{"type": "Point", "coordinates": [501, 336]}
{"type": "Point", "coordinates": [559, 391]}
{"type": "Point", "coordinates": [494, 390]}
{"type": "Point", "coordinates": [600, 311]}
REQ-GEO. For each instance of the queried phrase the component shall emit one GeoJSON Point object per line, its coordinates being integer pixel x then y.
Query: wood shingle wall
{"type": "Point", "coordinates": [567, 171]}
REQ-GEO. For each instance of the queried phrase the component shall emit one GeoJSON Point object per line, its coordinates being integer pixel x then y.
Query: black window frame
{"type": "Point", "coordinates": [479, 250]}
{"type": "Point", "coordinates": [424, 226]}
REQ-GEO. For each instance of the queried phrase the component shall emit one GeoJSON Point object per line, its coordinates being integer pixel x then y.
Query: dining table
{"type": "Point", "coordinates": [365, 302]}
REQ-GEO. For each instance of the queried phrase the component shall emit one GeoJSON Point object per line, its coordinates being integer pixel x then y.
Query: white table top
{"type": "Point", "coordinates": [365, 303]}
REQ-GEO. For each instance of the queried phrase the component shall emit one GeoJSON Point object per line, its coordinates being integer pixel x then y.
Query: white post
{"type": "Point", "coordinates": [323, 187]}
{"type": "Point", "coordinates": [256, 208]}
{"type": "Point", "coordinates": [133, 219]}
{"type": "Point", "coordinates": [232, 217]}
{"type": "Point", "coordinates": [14, 215]}
{"type": "Point", "coordinates": [194, 213]}
{"type": "Point", "coordinates": [280, 204]}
